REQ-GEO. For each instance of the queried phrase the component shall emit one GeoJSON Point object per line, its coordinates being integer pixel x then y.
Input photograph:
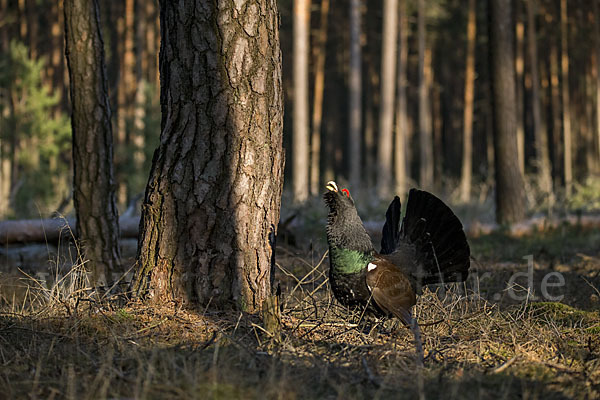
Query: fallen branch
{"type": "Point", "coordinates": [51, 230]}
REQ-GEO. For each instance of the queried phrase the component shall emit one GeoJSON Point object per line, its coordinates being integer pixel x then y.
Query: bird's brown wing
{"type": "Point", "coordinates": [391, 289]}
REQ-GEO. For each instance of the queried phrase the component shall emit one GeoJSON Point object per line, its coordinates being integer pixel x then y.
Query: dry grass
{"type": "Point", "coordinates": [61, 343]}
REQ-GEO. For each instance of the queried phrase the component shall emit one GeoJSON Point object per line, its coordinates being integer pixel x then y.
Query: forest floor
{"type": "Point", "coordinates": [487, 338]}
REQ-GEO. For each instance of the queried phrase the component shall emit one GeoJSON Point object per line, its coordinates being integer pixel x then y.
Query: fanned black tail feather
{"type": "Point", "coordinates": [437, 236]}
{"type": "Point", "coordinates": [391, 228]}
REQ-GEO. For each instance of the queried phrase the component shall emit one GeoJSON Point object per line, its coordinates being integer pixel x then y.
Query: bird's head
{"type": "Point", "coordinates": [344, 226]}
{"type": "Point", "coordinates": [338, 201]}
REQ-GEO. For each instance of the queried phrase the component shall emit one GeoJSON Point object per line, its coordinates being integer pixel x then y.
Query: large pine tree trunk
{"type": "Point", "coordinates": [510, 196]}
{"type": "Point", "coordinates": [300, 157]}
{"type": "Point", "coordinates": [400, 166]}
{"type": "Point", "coordinates": [467, 156]}
{"type": "Point", "coordinates": [93, 182]}
{"type": "Point", "coordinates": [539, 125]}
{"type": "Point", "coordinates": [566, 102]}
{"type": "Point", "coordinates": [388, 91]}
{"type": "Point", "coordinates": [355, 86]}
{"type": "Point", "coordinates": [425, 134]}
{"type": "Point", "coordinates": [212, 203]}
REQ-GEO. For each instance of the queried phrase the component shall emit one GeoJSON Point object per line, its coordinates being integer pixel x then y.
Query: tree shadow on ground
{"type": "Point", "coordinates": [140, 352]}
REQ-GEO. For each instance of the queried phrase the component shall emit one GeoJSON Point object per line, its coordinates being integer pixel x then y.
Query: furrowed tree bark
{"type": "Point", "coordinates": [300, 158]}
{"type": "Point", "coordinates": [539, 124]}
{"type": "Point", "coordinates": [388, 91]}
{"type": "Point", "coordinates": [467, 156]}
{"type": "Point", "coordinates": [212, 202]}
{"type": "Point", "coordinates": [510, 198]}
{"type": "Point", "coordinates": [93, 181]}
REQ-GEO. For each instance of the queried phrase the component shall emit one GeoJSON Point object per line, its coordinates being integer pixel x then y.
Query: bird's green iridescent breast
{"type": "Point", "coordinates": [346, 261]}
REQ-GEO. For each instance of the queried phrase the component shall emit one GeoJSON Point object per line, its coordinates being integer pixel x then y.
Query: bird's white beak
{"type": "Point", "coordinates": [332, 186]}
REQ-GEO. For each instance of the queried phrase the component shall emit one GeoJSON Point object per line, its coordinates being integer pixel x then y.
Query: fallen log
{"type": "Point", "coordinates": [55, 230]}
{"type": "Point", "coordinates": [529, 226]}
{"type": "Point", "coordinates": [535, 224]}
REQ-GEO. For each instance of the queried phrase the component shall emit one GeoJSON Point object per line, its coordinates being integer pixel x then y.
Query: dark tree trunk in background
{"type": "Point", "coordinates": [388, 90]}
{"type": "Point", "coordinates": [425, 134]}
{"type": "Point", "coordinates": [400, 162]}
{"type": "Point", "coordinates": [556, 114]}
{"type": "Point", "coordinates": [510, 194]}
{"type": "Point", "coordinates": [93, 182]}
{"type": "Point", "coordinates": [597, 41]}
{"type": "Point", "coordinates": [212, 202]}
{"type": "Point", "coordinates": [566, 102]}
{"type": "Point", "coordinates": [467, 156]}
{"type": "Point", "coordinates": [539, 124]}
{"type": "Point", "coordinates": [520, 71]}
{"type": "Point", "coordinates": [300, 156]}
{"type": "Point", "coordinates": [317, 116]}
{"type": "Point", "coordinates": [355, 86]}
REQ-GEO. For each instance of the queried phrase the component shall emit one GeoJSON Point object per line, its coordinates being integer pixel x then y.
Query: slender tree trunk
{"type": "Point", "coordinates": [425, 139]}
{"type": "Point", "coordinates": [127, 92]}
{"type": "Point", "coordinates": [138, 140]}
{"type": "Point", "coordinates": [597, 41]}
{"type": "Point", "coordinates": [5, 158]}
{"type": "Point", "coordinates": [93, 181]}
{"type": "Point", "coordinates": [539, 124]}
{"type": "Point", "coordinates": [587, 133]}
{"type": "Point", "coordinates": [566, 103]}
{"type": "Point", "coordinates": [369, 152]}
{"type": "Point", "coordinates": [4, 29]}
{"type": "Point", "coordinates": [520, 71]}
{"type": "Point", "coordinates": [317, 116]}
{"type": "Point", "coordinates": [212, 203]}
{"type": "Point", "coordinates": [467, 158]}
{"type": "Point", "coordinates": [32, 23]}
{"type": "Point", "coordinates": [556, 114]}
{"type": "Point", "coordinates": [401, 105]}
{"type": "Point", "coordinates": [57, 54]}
{"type": "Point", "coordinates": [489, 144]}
{"type": "Point", "coordinates": [152, 42]}
{"type": "Point", "coordinates": [355, 86]}
{"type": "Point", "coordinates": [22, 20]}
{"type": "Point", "coordinates": [437, 127]}
{"type": "Point", "coordinates": [300, 144]}
{"type": "Point", "coordinates": [141, 47]}
{"type": "Point", "coordinates": [388, 90]}
{"type": "Point", "coordinates": [510, 194]}
{"type": "Point", "coordinates": [5, 172]}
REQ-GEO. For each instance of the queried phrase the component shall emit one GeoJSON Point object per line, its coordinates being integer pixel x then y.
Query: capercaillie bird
{"type": "Point", "coordinates": [429, 247]}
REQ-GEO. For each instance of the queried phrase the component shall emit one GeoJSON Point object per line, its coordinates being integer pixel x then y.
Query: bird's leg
{"type": "Point", "coordinates": [374, 332]}
{"type": "Point", "coordinates": [414, 327]}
